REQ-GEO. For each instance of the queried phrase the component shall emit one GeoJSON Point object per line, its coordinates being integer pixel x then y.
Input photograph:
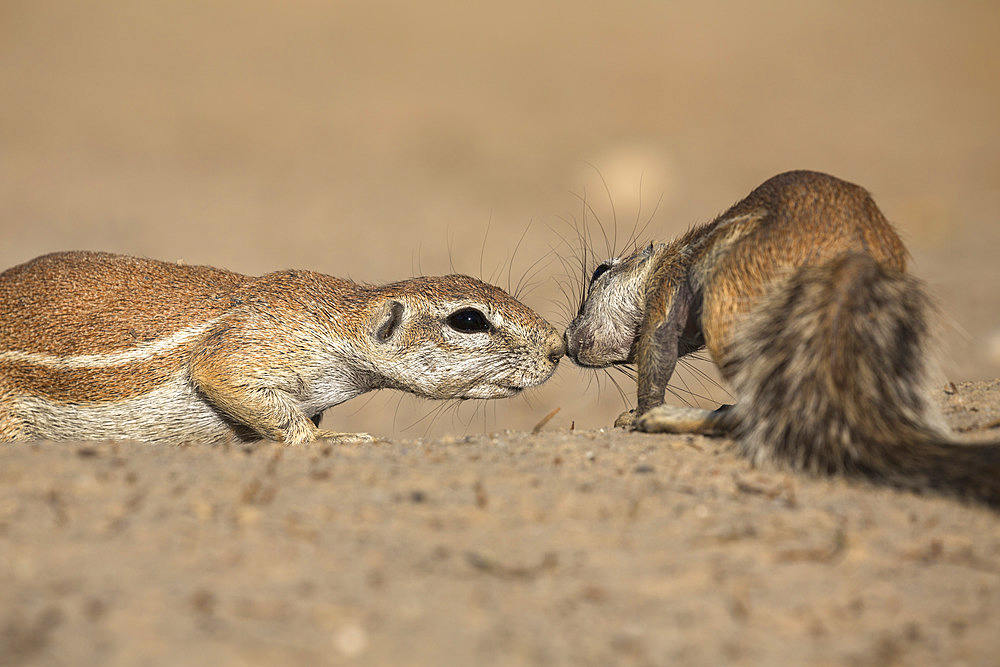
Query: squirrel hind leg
{"type": "Point", "coordinates": [11, 427]}
{"type": "Point", "coordinates": [12, 423]}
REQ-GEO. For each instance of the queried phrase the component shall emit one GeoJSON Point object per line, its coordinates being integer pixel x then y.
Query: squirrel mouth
{"type": "Point", "coordinates": [490, 391]}
{"type": "Point", "coordinates": [505, 390]}
{"type": "Point", "coordinates": [585, 363]}
{"type": "Point", "coordinates": [602, 363]}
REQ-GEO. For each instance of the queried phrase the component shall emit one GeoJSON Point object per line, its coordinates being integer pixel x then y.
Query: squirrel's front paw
{"type": "Point", "coordinates": [352, 438]}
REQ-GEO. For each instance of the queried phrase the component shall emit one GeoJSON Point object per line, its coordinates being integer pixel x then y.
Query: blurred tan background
{"type": "Point", "coordinates": [378, 140]}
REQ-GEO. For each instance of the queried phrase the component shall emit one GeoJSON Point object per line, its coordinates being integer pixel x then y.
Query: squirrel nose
{"type": "Point", "coordinates": [558, 349]}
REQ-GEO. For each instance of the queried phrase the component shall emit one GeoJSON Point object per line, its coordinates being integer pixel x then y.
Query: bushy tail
{"type": "Point", "coordinates": [831, 375]}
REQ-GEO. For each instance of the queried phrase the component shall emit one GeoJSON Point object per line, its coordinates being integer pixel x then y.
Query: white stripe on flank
{"type": "Point", "coordinates": [140, 353]}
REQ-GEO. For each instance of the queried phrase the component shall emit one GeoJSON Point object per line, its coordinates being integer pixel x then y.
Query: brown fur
{"type": "Point", "coordinates": [800, 295]}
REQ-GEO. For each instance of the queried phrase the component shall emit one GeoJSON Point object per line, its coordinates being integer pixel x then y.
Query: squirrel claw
{"type": "Point", "coordinates": [626, 419]}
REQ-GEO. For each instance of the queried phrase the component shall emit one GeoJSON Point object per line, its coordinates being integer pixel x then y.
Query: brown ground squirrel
{"type": "Point", "coordinates": [800, 295]}
{"type": "Point", "coordinates": [102, 346]}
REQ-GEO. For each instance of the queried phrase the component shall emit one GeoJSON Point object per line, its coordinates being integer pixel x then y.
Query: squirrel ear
{"type": "Point", "coordinates": [651, 249]}
{"type": "Point", "coordinates": [390, 322]}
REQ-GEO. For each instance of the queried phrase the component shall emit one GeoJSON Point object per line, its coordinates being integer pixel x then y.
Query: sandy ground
{"type": "Point", "coordinates": [595, 547]}
{"type": "Point", "coordinates": [381, 140]}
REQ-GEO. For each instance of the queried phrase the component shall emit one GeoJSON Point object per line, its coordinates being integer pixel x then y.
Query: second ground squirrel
{"type": "Point", "coordinates": [800, 294]}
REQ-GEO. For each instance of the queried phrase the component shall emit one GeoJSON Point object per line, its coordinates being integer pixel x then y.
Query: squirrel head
{"type": "Point", "coordinates": [457, 337]}
{"type": "Point", "coordinates": [606, 326]}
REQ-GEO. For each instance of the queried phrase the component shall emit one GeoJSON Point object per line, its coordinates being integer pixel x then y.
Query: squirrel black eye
{"type": "Point", "coordinates": [469, 320]}
{"type": "Point", "coordinates": [598, 272]}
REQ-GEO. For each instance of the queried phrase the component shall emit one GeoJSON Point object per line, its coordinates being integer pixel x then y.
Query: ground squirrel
{"type": "Point", "coordinates": [800, 294]}
{"type": "Point", "coordinates": [102, 346]}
